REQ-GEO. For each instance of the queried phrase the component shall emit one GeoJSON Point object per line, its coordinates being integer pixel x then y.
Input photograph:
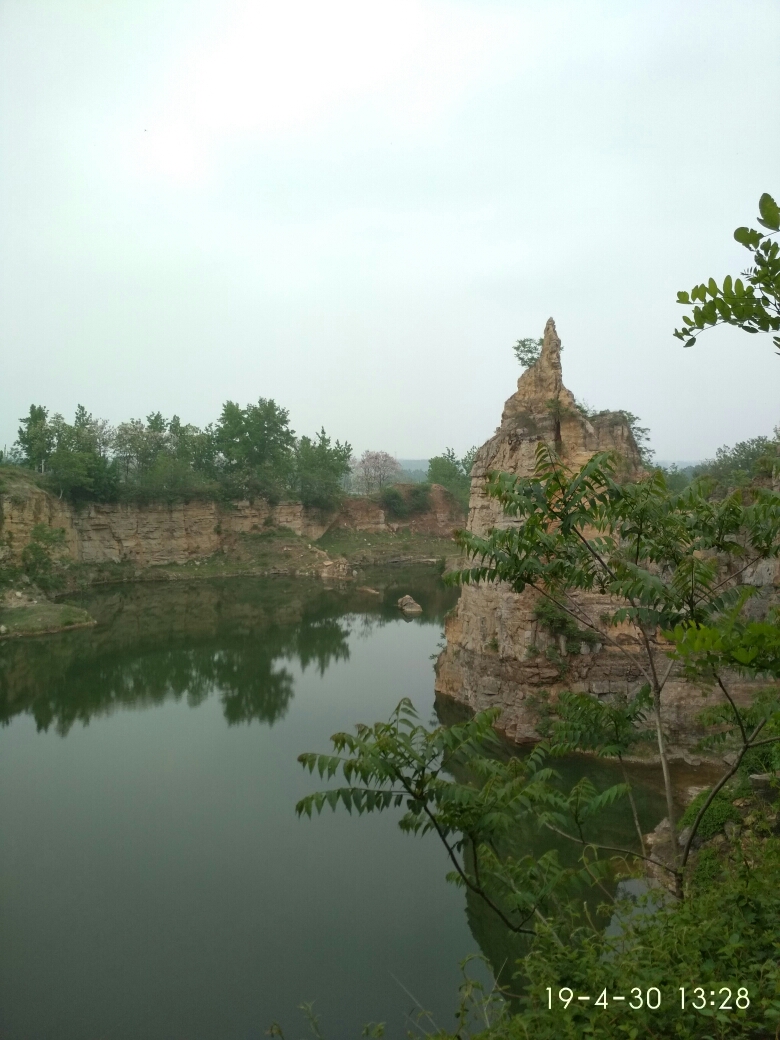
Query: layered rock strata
{"type": "Point", "coordinates": [147, 535]}
{"type": "Point", "coordinates": [160, 533]}
{"type": "Point", "coordinates": [497, 653]}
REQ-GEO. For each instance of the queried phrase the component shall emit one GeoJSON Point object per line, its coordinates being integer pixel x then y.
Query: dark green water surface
{"type": "Point", "coordinates": [154, 880]}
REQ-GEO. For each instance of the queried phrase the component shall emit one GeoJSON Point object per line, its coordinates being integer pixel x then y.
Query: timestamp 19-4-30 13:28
{"type": "Point", "coordinates": [698, 998]}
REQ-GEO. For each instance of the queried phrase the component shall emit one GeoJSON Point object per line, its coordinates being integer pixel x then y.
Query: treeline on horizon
{"type": "Point", "coordinates": [755, 459]}
{"type": "Point", "coordinates": [249, 453]}
{"type": "Point", "coordinates": [252, 452]}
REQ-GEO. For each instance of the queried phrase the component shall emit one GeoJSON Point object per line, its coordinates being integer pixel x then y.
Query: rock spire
{"type": "Point", "coordinates": [542, 383]}
{"type": "Point", "coordinates": [487, 661]}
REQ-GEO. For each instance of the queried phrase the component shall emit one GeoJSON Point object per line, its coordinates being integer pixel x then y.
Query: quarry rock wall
{"type": "Point", "coordinates": [161, 533]}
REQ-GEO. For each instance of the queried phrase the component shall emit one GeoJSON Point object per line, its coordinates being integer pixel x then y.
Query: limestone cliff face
{"type": "Point", "coordinates": [497, 652]}
{"type": "Point", "coordinates": [158, 533]}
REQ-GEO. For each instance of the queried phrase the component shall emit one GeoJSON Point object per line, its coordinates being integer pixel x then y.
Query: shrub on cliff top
{"type": "Point", "coordinates": [419, 498]}
{"type": "Point", "coordinates": [393, 502]}
{"type": "Point", "coordinates": [400, 504]}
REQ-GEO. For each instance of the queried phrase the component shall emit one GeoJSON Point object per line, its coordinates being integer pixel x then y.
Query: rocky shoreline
{"type": "Point", "coordinates": [26, 610]}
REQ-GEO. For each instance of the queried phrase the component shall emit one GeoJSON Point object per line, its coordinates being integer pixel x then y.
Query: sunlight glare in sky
{"type": "Point", "coordinates": [275, 69]}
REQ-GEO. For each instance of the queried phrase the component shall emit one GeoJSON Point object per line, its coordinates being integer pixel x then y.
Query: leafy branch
{"type": "Point", "coordinates": [752, 305]}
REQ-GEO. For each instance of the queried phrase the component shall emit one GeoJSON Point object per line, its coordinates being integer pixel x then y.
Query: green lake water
{"type": "Point", "coordinates": [154, 879]}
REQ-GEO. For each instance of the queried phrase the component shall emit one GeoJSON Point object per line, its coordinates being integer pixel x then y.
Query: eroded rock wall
{"type": "Point", "coordinates": [497, 654]}
{"type": "Point", "coordinates": [160, 533]}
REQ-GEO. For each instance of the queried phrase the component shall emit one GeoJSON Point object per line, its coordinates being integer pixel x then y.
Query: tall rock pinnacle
{"type": "Point", "coordinates": [543, 381]}
{"type": "Point", "coordinates": [542, 409]}
{"type": "Point", "coordinates": [487, 662]}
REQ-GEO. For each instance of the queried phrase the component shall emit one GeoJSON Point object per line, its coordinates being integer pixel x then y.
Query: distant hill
{"type": "Point", "coordinates": [413, 471]}
{"type": "Point", "coordinates": [686, 464]}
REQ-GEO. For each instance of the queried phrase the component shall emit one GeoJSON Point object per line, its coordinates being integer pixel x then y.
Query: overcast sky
{"type": "Point", "coordinates": [356, 207]}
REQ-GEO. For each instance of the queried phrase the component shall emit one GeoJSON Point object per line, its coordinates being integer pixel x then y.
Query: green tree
{"type": "Point", "coordinates": [468, 459]}
{"type": "Point", "coordinates": [165, 459]}
{"type": "Point", "coordinates": [320, 469]}
{"type": "Point", "coordinates": [156, 423]}
{"type": "Point", "coordinates": [80, 467]}
{"type": "Point", "coordinates": [747, 460]}
{"type": "Point", "coordinates": [453, 473]}
{"type": "Point", "coordinates": [131, 448]}
{"type": "Point", "coordinates": [528, 350]}
{"type": "Point", "coordinates": [35, 438]}
{"type": "Point", "coordinates": [190, 445]}
{"type": "Point", "coordinates": [677, 479]}
{"type": "Point", "coordinates": [256, 448]}
{"type": "Point", "coordinates": [752, 305]}
{"type": "Point", "coordinates": [77, 458]}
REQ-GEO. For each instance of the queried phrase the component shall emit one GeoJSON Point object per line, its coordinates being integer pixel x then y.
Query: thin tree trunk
{"type": "Point", "coordinates": [632, 803]}
{"type": "Point", "coordinates": [657, 686]}
{"type": "Point", "coordinates": [669, 793]}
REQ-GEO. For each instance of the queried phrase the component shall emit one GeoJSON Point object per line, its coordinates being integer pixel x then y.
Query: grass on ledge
{"type": "Point", "coordinates": [366, 547]}
{"type": "Point", "coordinates": [38, 618]}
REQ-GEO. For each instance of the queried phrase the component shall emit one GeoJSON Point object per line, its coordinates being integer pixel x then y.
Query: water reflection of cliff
{"type": "Point", "coordinates": [234, 638]}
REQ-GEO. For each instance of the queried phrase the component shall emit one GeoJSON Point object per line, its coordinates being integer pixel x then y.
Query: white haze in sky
{"type": "Point", "coordinates": [357, 207]}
